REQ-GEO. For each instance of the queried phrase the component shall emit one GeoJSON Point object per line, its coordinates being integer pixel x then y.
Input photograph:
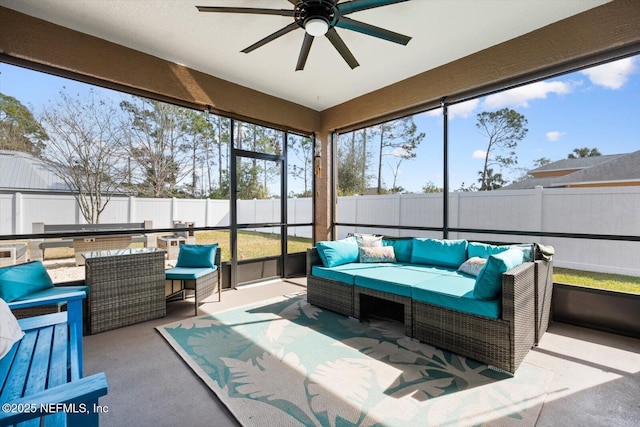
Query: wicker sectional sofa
{"type": "Point", "coordinates": [436, 302]}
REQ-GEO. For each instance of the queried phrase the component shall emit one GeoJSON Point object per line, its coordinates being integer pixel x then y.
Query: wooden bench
{"type": "Point", "coordinates": [41, 380]}
{"type": "Point", "coordinates": [135, 233]}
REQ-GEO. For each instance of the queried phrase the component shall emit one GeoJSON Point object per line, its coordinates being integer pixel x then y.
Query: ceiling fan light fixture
{"type": "Point", "coordinates": [316, 27]}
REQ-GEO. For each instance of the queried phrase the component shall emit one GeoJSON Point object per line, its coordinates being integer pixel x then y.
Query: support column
{"type": "Point", "coordinates": [323, 184]}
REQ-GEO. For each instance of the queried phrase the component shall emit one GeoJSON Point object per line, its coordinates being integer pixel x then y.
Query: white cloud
{"type": "Point", "coordinates": [464, 109]}
{"type": "Point", "coordinates": [613, 75]}
{"type": "Point", "coordinates": [479, 154]}
{"type": "Point", "coordinates": [521, 96]}
{"type": "Point", "coordinates": [554, 135]}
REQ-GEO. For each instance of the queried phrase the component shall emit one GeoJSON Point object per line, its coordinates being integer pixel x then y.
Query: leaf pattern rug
{"type": "Point", "coordinates": [287, 363]}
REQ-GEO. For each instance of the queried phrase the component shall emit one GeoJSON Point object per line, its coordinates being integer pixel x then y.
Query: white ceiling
{"type": "Point", "coordinates": [442, 31]}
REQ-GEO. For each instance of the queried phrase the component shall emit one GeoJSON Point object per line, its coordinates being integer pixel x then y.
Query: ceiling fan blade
{"type": "Point", "coordinates": [271, 37]}
{"type": "Point", "coordinates": [372, 30]}
{"type": "Point", "coordinates": [342, 48]}
{"type": "Point", "coordinates": [358, 5]}
{"type": "Point", "coordinates": [304, 51]}
{"type": "Point", "coordinates": [257, 11]}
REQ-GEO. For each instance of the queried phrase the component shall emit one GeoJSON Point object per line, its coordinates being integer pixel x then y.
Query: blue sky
{"type": "Point", "coordinates": [595, 108]}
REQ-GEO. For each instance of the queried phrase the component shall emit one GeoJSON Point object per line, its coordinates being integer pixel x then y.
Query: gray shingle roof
{"type": "Point", "coordinates": [579, 163]}
{"type": "Point", "coordinates": [593, 170]}
{"type": "Point", "coordinates": [23, 172]}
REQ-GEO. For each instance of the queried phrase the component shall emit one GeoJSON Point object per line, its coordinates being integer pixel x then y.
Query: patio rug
{"type": "Point", "coordinates": [287, 363]}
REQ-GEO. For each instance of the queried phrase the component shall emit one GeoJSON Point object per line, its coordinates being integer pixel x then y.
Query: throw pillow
{"type": "Point", "coordinates": [377, 254]}
{"type": "Point", "coordinates": [338, 252]}
{"type": "Point", "coordinates": [489, 281]}
{"type": "Point", "coordinates": [443, 253]}
{"type": "Point", "coordinates": [17, 281]}
{"type": "Point", "coordinates": [10, 331]}
{"type": "Point", "coordinates": [197, 256]}
{"type": "Point", "coordinates": [368, 240]}
{"type": "Point", "coordinates": [401, 247]}
{"type": "Point", "coordinates": [472, 266]}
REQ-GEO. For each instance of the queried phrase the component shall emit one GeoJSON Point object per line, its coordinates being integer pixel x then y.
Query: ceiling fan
{"type": "Point", "coordinates": [318, 18]}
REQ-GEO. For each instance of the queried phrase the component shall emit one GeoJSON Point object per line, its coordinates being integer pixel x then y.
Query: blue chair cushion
{"type": "Point", "coordinates": [489, 281]}
{"type": "Point", "coordinates": [485, 250]}
{"type": "Point", "coordinates": [198, 256]}
{"type": "Point", "coordinates": [444, 253]}
{"type": "Point", "coordinates": [187, 273]}
{"type": "Point", "coordinates": [17, 281]}
{"type": "Point", "coordinates": [338, 252]}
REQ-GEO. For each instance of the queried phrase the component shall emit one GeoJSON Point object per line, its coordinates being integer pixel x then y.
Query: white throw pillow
{"type": "Point", "coordinates": [10, 331]}
{"type": "Point", "coordinates": [472, 266]}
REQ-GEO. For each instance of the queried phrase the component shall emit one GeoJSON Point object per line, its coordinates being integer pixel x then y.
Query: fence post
{"type": "Point", "coordinates": [538, 203]}
{"type": "Point", "coordinates": [132, 209]}
{"type": "Point", "coordinates": [17, 213]}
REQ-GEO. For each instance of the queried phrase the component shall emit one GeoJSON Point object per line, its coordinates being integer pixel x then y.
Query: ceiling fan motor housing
{"type": "Point", "coordinates": [307, 10]}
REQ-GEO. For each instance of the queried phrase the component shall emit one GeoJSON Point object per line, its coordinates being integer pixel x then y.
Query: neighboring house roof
{"type": "Point", "coordinates": [22, 172]}
{"type": "Point", "coordinates": [598, 170]}
{"type": "Point", "coordinates": [579, 163]}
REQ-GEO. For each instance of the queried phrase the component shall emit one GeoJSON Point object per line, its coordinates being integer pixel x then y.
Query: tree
{"type": "Point", "coordinates": [491, 181]}
{"type": "Point", "coordinates": [158, 136]}
{"type": "Point", "coordinates": [542, 161]}
{"type": "Point", "coordinates": [503, 129]}
{"type": "Point", "coordinates": [85, 149]}
{"type": "Point", "coordinates": [583, 152]}
{"type": "Point", "coordinates": [19, 130]}
{"type": "Point", "coordinates": [302, 148]}
{"type": "Point", "coordinates": [352, 164]}
{"type": "Point", "coordinates": [430, 187]}
{"type": "Point", "coordinates": [399, 139]}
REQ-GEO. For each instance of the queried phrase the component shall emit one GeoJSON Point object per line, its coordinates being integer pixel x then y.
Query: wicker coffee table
{"type": "Point", "coordinates": [126, 287]}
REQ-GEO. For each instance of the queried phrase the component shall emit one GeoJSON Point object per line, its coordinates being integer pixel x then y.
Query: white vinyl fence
{"type": "Point", "coordinates": [612, 210]}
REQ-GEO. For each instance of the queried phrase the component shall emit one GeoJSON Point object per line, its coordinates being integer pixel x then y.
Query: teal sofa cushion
{"type": "Point", "coordinates": [187, 273]}
{"type": "Point", "coordinates": [401, 247]}
{"type": "Point", "coordinates": [455, 292]}
{"type": "Point", "coordinates": [489, 281]}
{"type": "Point", "coordinates": [338, 252]}
{"type": "Point", "coordinates": [445, 253]}
{"type": "Point", "coordinates": [393, 279]}
{"type": "Point", "coordinates": [344, 273]}
{"type": "Point", "coordinates": [17, 281]}
{"type": "Point", "coordinates": [485, 250]}
{"type": "Point", "coordinates": [198, 256]}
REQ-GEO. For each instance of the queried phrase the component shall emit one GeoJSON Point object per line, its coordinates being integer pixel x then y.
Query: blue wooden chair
{"type": "Point", "coordinates": [41, 378]}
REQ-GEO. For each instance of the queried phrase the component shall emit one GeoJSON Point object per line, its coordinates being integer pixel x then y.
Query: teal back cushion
{"type": "Point", "coordinates": [401, 247]}
{"type": "Point", "coordinates": [485, 250]}
{"type": "Point", "coordinates": [338, 252]}
{"type": "Point", "coordinates": [17, 281]}
{"type": "Point", "coordinates": [443, 253]}
{"type": "Point", "coordinates": [489, 281]}
{"type": "Point", "coordinates": [197, 256]}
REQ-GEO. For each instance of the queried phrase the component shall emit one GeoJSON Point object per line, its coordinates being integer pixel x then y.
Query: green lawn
{"type": "Point", "coordinates": [589, 279]}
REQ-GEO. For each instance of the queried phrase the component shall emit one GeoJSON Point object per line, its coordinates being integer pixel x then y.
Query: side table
{"type": "Point", "coordinates": [126, 287]}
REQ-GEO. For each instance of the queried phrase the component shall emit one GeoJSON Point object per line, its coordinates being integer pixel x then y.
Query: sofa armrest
{"type": "Point", "coordinates": [518, 291]}
{"type": "Point", "coordinates": [312, 259]}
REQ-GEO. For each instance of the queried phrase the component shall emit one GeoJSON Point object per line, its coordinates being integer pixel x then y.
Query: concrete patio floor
{"type": "Point", "coordinates": [596, 380]}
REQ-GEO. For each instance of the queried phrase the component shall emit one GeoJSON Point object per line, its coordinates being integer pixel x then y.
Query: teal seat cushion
{"type": "Point", "coordinates": [338, 252]}
{"type": "Point", "coordinates": [55, 291]}
{"type": "Point", "coordinates": [445, 253]}
{"type": "Point", "coordinates": [489, 281]}
{"type": "Point", "coordinates": [187, 273]}
{"type": "Point", "coordinates": [344, 273]}
{"type": "Point", "coordinates": [393, 279]}
{"type": "Point", "coordinates": [401, 247]}
{"type": "Point", "coordinates": [455, 292]}
{"type": "Point", "coordinates": [17, 281]}
{"type": "Point", "coordinates": [198, 256]}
